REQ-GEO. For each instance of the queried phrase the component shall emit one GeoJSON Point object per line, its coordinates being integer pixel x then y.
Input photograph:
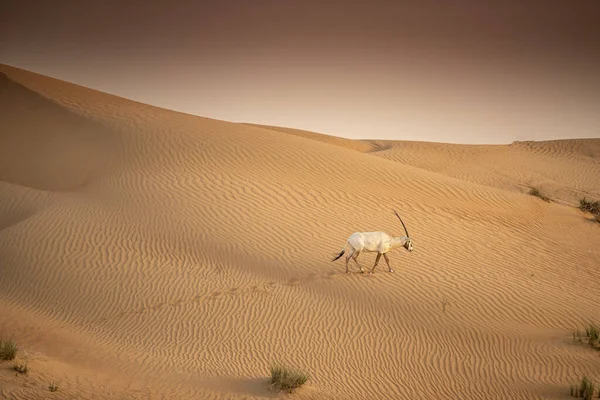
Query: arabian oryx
{"type": "Point", "coordinates": [371, 242]}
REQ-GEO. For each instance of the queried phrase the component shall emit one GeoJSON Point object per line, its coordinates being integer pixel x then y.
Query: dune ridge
{"type": "Point", "coordinates": [164, 254]}
{"type": "Point", "coordinates": [567, 168]}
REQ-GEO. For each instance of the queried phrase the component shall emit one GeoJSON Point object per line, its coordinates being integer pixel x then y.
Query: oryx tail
{"type": "Point", "coordinates": [342, 252]}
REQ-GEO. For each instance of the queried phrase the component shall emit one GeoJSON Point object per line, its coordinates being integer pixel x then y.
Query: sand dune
{"type": "Point", "coordinates": [566, 169]}
{"type": "Point", "coordinates": [152, 254]}
{"type": "Point", "coordinates": [358, 145]}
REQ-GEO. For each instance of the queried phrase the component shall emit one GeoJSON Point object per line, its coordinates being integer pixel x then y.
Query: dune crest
{"type": "Point", "coordinates": [147, 253]}
{"type": "Point", "coordinates": [62, 153]}
{"type": "Point", "coordinates": [565, 169]}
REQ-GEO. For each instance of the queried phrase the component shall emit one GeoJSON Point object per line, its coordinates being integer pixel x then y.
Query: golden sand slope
{"type": "Point", "coordinates": [151, 254]}
{"type": "Point", "coordinates": [567, 169]}
{"type": "Point", "coordinates": [358, 145]}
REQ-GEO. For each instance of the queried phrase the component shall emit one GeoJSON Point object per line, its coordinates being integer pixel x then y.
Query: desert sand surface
{"type": "Point", "coordinates": [150, 254]}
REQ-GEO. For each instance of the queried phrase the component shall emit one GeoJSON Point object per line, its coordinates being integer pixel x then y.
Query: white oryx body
{"type": "Point", "coordinates": [371, 242]}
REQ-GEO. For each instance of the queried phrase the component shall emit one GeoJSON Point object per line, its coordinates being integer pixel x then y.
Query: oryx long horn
{"type": "Point", "coordinates": [405, 230]}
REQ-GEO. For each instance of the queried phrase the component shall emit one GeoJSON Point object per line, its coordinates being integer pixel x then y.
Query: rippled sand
{"type": "Point", "coordinates": [146, 253]}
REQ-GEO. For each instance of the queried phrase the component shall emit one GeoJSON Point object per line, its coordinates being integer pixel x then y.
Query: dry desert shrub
{"type": "Point", "coordinates": [285, 378]}
{"type": "Point", "coordinates": [538, 193]}
{"type": "Point", "coordinates": [8, 349]}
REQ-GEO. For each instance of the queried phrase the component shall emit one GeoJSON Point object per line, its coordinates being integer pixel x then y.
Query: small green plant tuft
{"type": "Point", "coordinates": [8, 349]}
{"type": "Point", "coordinates": [21, 367]}
{"type": "Point", "coordinates": [288, 379]}
{"type": "Point", "coordinates": [53, 386]}
{"type": "Point", "coordinates": [537, 193]}
{"type": "Point", "coordinates": [591, 334]}
{"type": "Point", "coordinates": [585, 389]}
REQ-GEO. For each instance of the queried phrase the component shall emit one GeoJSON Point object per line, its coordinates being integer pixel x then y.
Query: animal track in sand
{"type": "Point", "coordinates": [211, 296]}
{"type": "Point", "coordinates": [231, 292]}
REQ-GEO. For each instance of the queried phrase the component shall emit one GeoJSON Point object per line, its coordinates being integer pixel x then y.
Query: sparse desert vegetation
{"type": "Point", "coordinates": [534, 191]}
{"type": "Point", "coordinates": [585, 388]}
{"type": "Point", "coordinates": [53, 386]}
{"type": "Point", "coordinates": [593, 207]}
{"type": "Point", "coordinates": [8, 349]}
{"type": "Point", "coordinates": [590, 334]}
{"type": "Point", "coordinates": [285, 378]}
{"type": "Point", "coordinates": [590, 206]}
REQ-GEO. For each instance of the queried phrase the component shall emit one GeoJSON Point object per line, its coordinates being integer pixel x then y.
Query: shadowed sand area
{"type": "Point", "coordinates": [146, 253]}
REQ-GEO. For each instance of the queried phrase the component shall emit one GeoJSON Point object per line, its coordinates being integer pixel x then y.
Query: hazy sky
{"type": "Point", "coordinates": [452, 71]}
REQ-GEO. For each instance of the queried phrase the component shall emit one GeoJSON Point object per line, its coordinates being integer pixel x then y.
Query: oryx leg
{"type": "Point", "coordinates": [357, 264]}
{"type": "Point", "coordinates": [376, 262]}
{"type": "Point", "coordinates": [387, 260]}
{"type": "Point", "coordinates": [348, 257]}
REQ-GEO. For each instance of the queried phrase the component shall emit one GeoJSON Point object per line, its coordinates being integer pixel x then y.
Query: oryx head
{"type": "Point", "coordinates": [408, 243]}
